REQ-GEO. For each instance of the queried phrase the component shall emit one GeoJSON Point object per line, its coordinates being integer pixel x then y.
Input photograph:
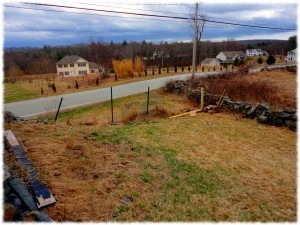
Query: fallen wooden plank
{"type": "Point", "coordinates": [11, 138]}
{"type": "Point", "coordinates": [190, 113]}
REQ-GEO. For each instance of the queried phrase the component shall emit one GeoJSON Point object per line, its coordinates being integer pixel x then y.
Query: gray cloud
{"type": "Point", "coordinates": [37, 28]}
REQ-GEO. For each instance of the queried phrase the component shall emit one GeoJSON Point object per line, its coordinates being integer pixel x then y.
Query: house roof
{"type": "Point", "coordinates": [233, 53]}
{"type": "Point", "coordinates": [208, 60]}
{"type": "Point", "coordinates": [94, 65]}
{"type": "Point", "coordinates": [294, 51]}
{"type": "Point", "coordinates": [69, 59]}
{"type": "Point", "coordinates": [257, 49]}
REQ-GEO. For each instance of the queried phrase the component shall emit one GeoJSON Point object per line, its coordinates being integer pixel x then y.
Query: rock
{"type": "Point", "coordinates": [263, 119]}
{"type": "Point", "coordinates": [9, 116]}
{"type": "Point", "coordinates": [127, 199]}
{"type": "Point", "coordinates": [292, 125]}
{"type": "Point", "coordinates": [260, 109]}
{"type": "Point", "coordinates": [251, 112]}
{"type": "Point", "coordinates": [18, 118]}
{"type": "Point", "coordinates": [284, 115]}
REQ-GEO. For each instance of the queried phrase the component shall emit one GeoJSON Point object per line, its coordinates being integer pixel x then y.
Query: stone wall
{"type": "Point", "coordinates": [261, 112]}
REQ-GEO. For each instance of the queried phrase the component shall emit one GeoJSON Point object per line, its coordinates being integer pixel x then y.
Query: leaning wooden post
{"type": "Point", "coordinates": [58, 109]}
{"type": "Point", "coordinates": [112, 106]}
{"type": "Point", "coordinates": [202, 98]}
{"type": "Point", "coordinates": [148, 100]}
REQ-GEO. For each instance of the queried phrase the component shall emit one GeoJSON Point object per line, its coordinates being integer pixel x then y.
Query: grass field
{"type": "Point", "coordinates": [15, 92]}
{"type": "Point", "coordinates": [211, 167]}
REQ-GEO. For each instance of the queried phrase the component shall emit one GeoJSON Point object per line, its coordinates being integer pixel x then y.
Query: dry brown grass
{"type": "Point", "coordinates": [246, 173]}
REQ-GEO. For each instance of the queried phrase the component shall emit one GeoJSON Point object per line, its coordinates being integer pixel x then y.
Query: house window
{"type": "Point", "coordinates": [65, 65]}
{"type": "Point", "coordinates": [61, 73]}
{"type": "Point", "coordinates": [92, 71]}
{"type": "Point", "coordinates": [71, 65]}
{"type": "Point", "coordinates": [81, 64]}
{"type": "Point", "coordinates": [59, 65]}
{"type": "Point", "coordinates": [67, 73]}
{"type": "Point", "coordinates": [82, 72]}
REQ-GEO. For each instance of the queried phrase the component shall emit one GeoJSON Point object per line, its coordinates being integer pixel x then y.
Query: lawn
{"type": "Point", "coordinates": [211, 167]}
{"type": "Point", "coordinates": [15, 92]}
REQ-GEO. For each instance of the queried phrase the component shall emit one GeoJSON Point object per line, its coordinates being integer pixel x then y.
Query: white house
{"type": "Point", "coordinates": [229, 56]}
{"type": "Point", "coordinates": [210, 62]}
{"type": "Point", "coordinates": [292, 56]}
{"type": "Point", "coordinates": [256, 52]}
{"type": "Point", "coordinates": [73, 65]}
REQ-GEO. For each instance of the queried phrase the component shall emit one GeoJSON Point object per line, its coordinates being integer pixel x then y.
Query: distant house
{"type": "Point", "coordinates": [292, 56]}
{"type": "Point", "coordinates": [160, 54]}
{"type": "Point", "coordinates": [73, 65]}
{"type": "Point", "coordinates": [254, 52]}
{"type": "Point", "coordinates": [265, 53]}
{"type": "Point", "coordinates": [210, 62]}
{"type": "Point", "coordinates": [230, 56]}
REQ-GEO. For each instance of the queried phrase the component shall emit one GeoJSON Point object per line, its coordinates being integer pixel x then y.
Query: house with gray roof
{"type": "Point", "coordinates": [73, 65]}
{"type": "Point", "coordinates": [230, 56]}
{"type": "Point", "coordinates": [210, 62]}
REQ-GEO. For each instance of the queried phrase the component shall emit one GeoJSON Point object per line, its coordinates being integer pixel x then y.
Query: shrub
{"type": "Point", "coordinates": [42, 91]}
{"type": "Point", "coordinates": [271, 60]}
{"type": "Point", "coordinates": [53, 87]}
{"type": "Point", "coordinates": [138, 65]}
{"type": "Point", "coordinates": [76, 84]}
{"type": "Point", "coordinates": [146, 72]}
{"type": "Point", "coordinates": [97, 81]}
{"type": "Point", "coordinates": [259, 60]}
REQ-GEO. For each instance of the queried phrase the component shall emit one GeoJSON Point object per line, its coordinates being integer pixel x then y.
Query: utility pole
{"type": "Point", "coordinates": [195, 40]}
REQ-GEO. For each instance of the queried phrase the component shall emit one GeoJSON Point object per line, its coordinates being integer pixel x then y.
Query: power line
{"type": "Point", "coordinates": [247, 25]}
{"type": "Point", "coordinates": [129, 8]}
{"type": "Point", "coordinates": [239, 21]}
{"type": "Point", "coordinates": [91, 14]}
{"type": "Point", "coordinates": [161, 16]}
{"type": "Point", "coordinates": [110, 11]}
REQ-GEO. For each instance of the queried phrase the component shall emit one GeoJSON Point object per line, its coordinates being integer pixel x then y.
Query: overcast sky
{"type": "Point", "coordinates": [28, 27]}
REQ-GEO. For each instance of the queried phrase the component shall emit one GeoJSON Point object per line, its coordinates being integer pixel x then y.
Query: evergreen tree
{"type": "Point", "coordinates": [236, 62]}
{"type": "Point", "coordinates": [225, 65]}
{"type": "Point", "coordinates": [259, 60]}
{"type": "Point", "coordinates": [271, 60]}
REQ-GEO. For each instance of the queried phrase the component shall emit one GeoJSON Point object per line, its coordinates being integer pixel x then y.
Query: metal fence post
{"type": "Point", "coordinates": [112, 106]}
{"type": "Point", "coordinates": [148, 100]}
{"type": "Point", "coordinates": [58, 109]}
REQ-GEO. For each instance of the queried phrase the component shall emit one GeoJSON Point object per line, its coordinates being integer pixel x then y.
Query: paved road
{"type": "Point", "coordinates": [39, 106]}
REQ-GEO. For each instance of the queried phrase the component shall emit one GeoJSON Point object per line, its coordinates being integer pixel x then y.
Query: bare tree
{"type": "Point", "coordinates": [200, 30]}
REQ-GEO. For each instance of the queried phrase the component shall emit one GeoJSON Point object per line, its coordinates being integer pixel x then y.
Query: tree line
{"type": "Point", "coordinates": [27, 61]}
